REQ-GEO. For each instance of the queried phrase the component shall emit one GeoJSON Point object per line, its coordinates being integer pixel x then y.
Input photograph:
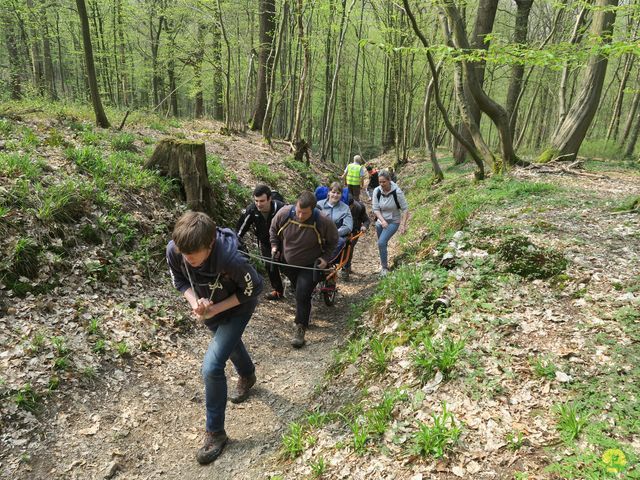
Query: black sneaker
{"type": "Point", "coordinates": [275, 295]}
{"type": "Point", "coordinates": [214, 443]}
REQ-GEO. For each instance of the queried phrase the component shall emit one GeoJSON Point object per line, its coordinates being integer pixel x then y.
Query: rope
{"type": "Point", "coordinates": [273, 262]}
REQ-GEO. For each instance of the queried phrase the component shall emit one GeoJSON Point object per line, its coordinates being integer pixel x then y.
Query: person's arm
{"type": "Point", "coordinates": [376, 209]}
{"type": "Point", "coordinates": [364, 218]}
{"type": "Point", "coordinates": [347, 224]}
{"type": "Point", "coordinates": [329, 231]}
{"type": "Point", "coordinates": [244, 222]}
{"type": "Point", "coordinates": [276, 224]}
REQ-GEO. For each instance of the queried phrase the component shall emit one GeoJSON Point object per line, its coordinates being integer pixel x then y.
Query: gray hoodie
{"type": "Point", "coordinates": [340, 213]}
{"type": "Point", "coordinates": [386, 204]}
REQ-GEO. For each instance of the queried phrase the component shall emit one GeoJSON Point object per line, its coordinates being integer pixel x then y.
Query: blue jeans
{"type": "Point", "coordinates": [384, 235]}
{"type": "Point", "coordinates": [225, 344]}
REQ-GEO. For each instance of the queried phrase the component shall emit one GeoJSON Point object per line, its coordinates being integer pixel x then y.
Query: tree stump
{"type": "Point", "coordinates": [186, 161]}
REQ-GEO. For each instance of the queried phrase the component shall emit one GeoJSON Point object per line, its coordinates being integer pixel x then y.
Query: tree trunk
{"type": "Point", "coordinates": [562, 92]}
{"type": "Point", "coordinates": [630, 116]}
{"type": "Point", "coordinates": [483, 26]}
{"type": "Point", "coordinates": [436, 89]}
{"type": "Point", "coordinates": [517, 71]}
{"type": "Point", "coordinates": [14, 56]}
{"type": "Point", "coordinates": [218, 87]}
{"type": "Point", "coordinates": [267, 13]}
{"type": "Point", "coordinates": [633, 138]}
{"type": "Point", "coordinates": [570, 134]}
{"type": "Point", "coordinates": [101, 116]}
{"type": "Point", "coordinates": [612, 131]}
{"type": "Point", "coordinates": [186, 161]}
{"type": "Point", "coordinates": [296, 137]}
{"type": "Point", "coordinates": [267, 122]}
{"type": "Point", "coordinates": [334, 80]}
{"type": "Point", "coordinates": [198, 56]}
{"type": "Point", "coordinates": [497, 114]}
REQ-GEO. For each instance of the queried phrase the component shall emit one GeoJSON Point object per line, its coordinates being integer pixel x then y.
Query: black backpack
{"type": "Point", "coordinates": [395, 197]}
{"type": "Point", "coordinates": [276, 195]}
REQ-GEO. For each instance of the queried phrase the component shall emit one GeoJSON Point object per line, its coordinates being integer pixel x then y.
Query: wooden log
{"type": "Point", "coordinates": [186, 161]}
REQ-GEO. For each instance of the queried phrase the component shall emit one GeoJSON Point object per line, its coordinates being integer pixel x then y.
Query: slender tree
{"type": "Point", "coordinates": [101, 116]}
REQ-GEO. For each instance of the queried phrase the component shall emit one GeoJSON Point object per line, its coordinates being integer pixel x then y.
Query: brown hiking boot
{"type": "Point", "coordinates": [242, 388]}
{"type": "Point", "coordinates": [214, 443]}
{"type": "Point", "coordinates": [298, 336]}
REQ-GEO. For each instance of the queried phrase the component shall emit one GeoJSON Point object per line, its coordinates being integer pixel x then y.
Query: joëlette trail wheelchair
{"type": "Point", "coordinates": [327, 278]}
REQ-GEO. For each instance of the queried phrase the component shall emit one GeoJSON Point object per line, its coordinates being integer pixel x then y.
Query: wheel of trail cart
{"type": "Point", "coordinates": [329, 297]}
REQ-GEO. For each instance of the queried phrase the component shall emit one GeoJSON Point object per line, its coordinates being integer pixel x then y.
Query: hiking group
{"type": "Point", "coordinates": [209, 268]}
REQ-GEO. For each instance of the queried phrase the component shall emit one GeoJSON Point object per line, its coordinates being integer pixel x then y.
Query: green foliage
{"type": "Point", "coordinates": [629, 204]}
{"type": "Point", "coordinates": [93, 327]}
{"type": "Point", "coordinates": [64, 202]}
{"type": "Point", "coordinates": [412, 289]}
{"type": "Point", "coordinates": [19, 165]}
{"type": "Point", "coordinates": [229, 194]}
{"type": "Point", "coordinates": [6, 127]}
{"type": "Point", "coordinates": [527, 260]}
{"type": "Point", "coordinates": [124, 142]}
{"type": "Point", "coordinates": [309, 180]}
{"type": "Point", "coordinates": [318, 468]}
{"type": "Point", "coordinates": [24, 262]}
{"type": "Point", "coordinates": [349, 354]}
{"type": "Point", "coordinates": [293, 441]}
{"type": "Point", "coordinates": [27, 399]}
{"type": "Point", "coordinates": [570, 421]}
{"type": "Point", "coordinates": [122, 349]}
{"type": "Point", "coordinates": [89, 159]}
{"type": "Point", "coordinates": [100, 346]}
{"type": "Point", "coordinates": [601, 148]}
{"type": "Point", "coordinates": [548, 155]}
{"type": "Point", "coordinates": [544, 368]}
{"type": "Point", "coordinates": [441, 355]}
{"type": "Point", "coordinates": [264, 173]}
{"type": "Point", "coordinates": [55, 139]}
{"type": "Point", "coordinates": [515, 441]}
{"type": "Point", "coordinates": [90, 138]}
{"type": "Point", "coordinates": [29, 139]}
{"type": "Point", "coordinates": [439, 438]}
{"type": "Point", "coordinates": [381, 349]}
{"type": "Point", "coordinates": [360, 436]}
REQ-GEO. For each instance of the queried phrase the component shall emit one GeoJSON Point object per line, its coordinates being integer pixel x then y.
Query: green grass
{"type": "Point", "coordinates": [438, 438]}
{"type": "Point", "coordinates": [65, 202]}
{"type": "Point", "coordinates": [20, 165]}
{"type": "Point", "coordinates": [27, 399]}
{"type": "Point", "coordinates": [293, 441]}
{"type": "Point", "coordinates": [265, 173]}
{"type": "Point", "coordinates": [440, 355]}
{"type": "Point", "coordinates": [124, 142]}
{"type": "Point", "coordinates": [544, 367]}
{"type": "Point", "coordinates": [459, 197]}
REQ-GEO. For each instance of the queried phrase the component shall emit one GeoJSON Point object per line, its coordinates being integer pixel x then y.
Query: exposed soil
{"type": "Point", "coordinates": [145, 418]}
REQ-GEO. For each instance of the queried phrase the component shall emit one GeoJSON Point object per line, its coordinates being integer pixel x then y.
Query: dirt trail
{"type": "Point", "coordinates": [147, 423]}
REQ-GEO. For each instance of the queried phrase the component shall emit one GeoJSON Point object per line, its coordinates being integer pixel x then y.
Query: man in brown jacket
{"type": "Point", "coordinates": [299, 236]}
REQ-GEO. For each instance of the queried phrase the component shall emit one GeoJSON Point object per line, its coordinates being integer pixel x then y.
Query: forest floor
{"type": "Point", "coordinates": [531, 346]}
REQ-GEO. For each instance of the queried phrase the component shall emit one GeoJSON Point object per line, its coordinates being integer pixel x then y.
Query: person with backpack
{"type": "Point", "coordinates": [334, 208]}
{"type": "Point", "coordinates": [373, 180]}
{"type": "Point", "coordinates": [354, 174]}
{"type": "Point", "coordinates": [361, 223]}
{"type": "Point", "coordinates": [304, 239]}
{"type": "Point", "coordinates": [222, 288]}
{"type": "Point", "coordinates": [259, 215]}
{"type": "Point", "coordinates": [392, 213]}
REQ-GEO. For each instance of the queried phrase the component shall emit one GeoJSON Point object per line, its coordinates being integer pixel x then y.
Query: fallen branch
{"type": "Point", "coordinates": [18, 115]}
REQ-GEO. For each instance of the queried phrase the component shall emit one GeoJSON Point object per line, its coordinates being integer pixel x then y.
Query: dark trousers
{"type": "Point", "coordinates": [303, 283]}
{"type": "Point", "coordinates": [347, 265]}
{"type": "Point", "coordinates": [355, 191]}
{"type": "Point", "coordinates": [272, 270]}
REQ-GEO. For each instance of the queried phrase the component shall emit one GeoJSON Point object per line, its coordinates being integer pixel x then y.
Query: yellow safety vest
{"type": "Point", "coordinates": [353, 173]}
